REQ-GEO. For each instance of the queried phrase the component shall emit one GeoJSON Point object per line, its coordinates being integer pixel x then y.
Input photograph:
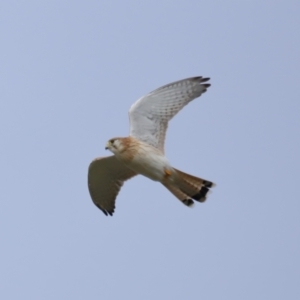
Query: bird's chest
{"type": "Point", "coordinates": [151, 164]}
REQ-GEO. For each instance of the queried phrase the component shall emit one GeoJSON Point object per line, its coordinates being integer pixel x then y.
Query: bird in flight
{"type": "Point", "coordinates": [142, 152]}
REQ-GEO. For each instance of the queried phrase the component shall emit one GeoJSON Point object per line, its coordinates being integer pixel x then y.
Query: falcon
{"type": "Point", "coordinates": [142, 152]}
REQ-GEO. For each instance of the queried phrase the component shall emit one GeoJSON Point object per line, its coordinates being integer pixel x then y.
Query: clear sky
{"type": "Point", "coordinates": [69, 72]}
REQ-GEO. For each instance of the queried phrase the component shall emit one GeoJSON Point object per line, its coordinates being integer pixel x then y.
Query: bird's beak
{"type": "Point", "coordinates": [106, 147]}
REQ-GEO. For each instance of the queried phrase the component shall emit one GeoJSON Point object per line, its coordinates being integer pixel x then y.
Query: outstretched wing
{"type": "Point", "coordinates": [106, 176]}
{"type": "Point", "coordinates": [149, 115]}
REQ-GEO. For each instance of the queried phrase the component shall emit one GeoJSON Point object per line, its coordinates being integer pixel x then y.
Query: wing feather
{"type": "Point", "coordinates": [150, 114]}
{"type": "Point", "coordinates": [106, 175]}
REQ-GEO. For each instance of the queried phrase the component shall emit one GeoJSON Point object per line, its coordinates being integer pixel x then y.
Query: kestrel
{"type": "Point", "coordinates": [143, 151]}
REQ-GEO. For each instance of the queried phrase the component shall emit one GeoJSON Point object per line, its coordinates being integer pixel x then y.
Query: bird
{"type": "Point", "coordinates": [142, 152]}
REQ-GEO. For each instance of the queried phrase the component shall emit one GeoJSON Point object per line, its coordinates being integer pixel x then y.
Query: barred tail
{"type": "Point", "coordinates": [188, 187]}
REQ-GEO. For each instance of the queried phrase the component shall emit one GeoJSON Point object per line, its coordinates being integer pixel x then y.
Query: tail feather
{"type": "Point", "coordinates": [185, 199]}
{"type": "Point", "coordinates": [201, 195]}
{"type": "Point", "coordinates": [195, 187]}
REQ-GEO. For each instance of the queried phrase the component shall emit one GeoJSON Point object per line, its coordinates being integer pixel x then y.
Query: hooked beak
{"type": "Point", "coordinates": [106, 147]}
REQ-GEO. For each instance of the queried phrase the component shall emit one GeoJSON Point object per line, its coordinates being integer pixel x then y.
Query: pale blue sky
{"type": "Point", "coordinates": [70, 71]}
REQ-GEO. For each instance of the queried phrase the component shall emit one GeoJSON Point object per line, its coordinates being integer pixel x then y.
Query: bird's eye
{"type": "Point", "coordinates": [112, 141]}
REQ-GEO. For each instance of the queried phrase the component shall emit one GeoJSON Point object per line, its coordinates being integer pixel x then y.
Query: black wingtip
{"type": "Point", "coordinates": [205, 79]}
{"type": "Point", "coordinates": [206, 85]}
{"type": "Point", "coordinates": [106, 212]}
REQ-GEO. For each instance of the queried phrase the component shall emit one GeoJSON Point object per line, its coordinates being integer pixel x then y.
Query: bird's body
{"type": "Point", "coordinates": [142, 158]}
{"type": "Point", "coordinates": [143, 151]}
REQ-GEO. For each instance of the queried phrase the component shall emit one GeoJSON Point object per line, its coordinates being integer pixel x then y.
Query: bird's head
{"type": "Point", "coordinates": [115, 145]}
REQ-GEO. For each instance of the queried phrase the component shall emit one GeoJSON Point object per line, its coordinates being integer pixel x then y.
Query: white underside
{"type": "Point", "coordinates": [152, 166]}
{"type": "Point", "coordinates": [150, 162]}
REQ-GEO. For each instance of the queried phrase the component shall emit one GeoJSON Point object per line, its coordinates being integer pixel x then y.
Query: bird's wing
{"type": "Point", "coordinates": [106, 176]}
{"type": "Point", "coordinates": [150, 114]}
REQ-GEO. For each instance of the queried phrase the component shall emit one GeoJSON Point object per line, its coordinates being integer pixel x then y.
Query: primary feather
{"type": "Point", "coordinates": [149, 116]}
